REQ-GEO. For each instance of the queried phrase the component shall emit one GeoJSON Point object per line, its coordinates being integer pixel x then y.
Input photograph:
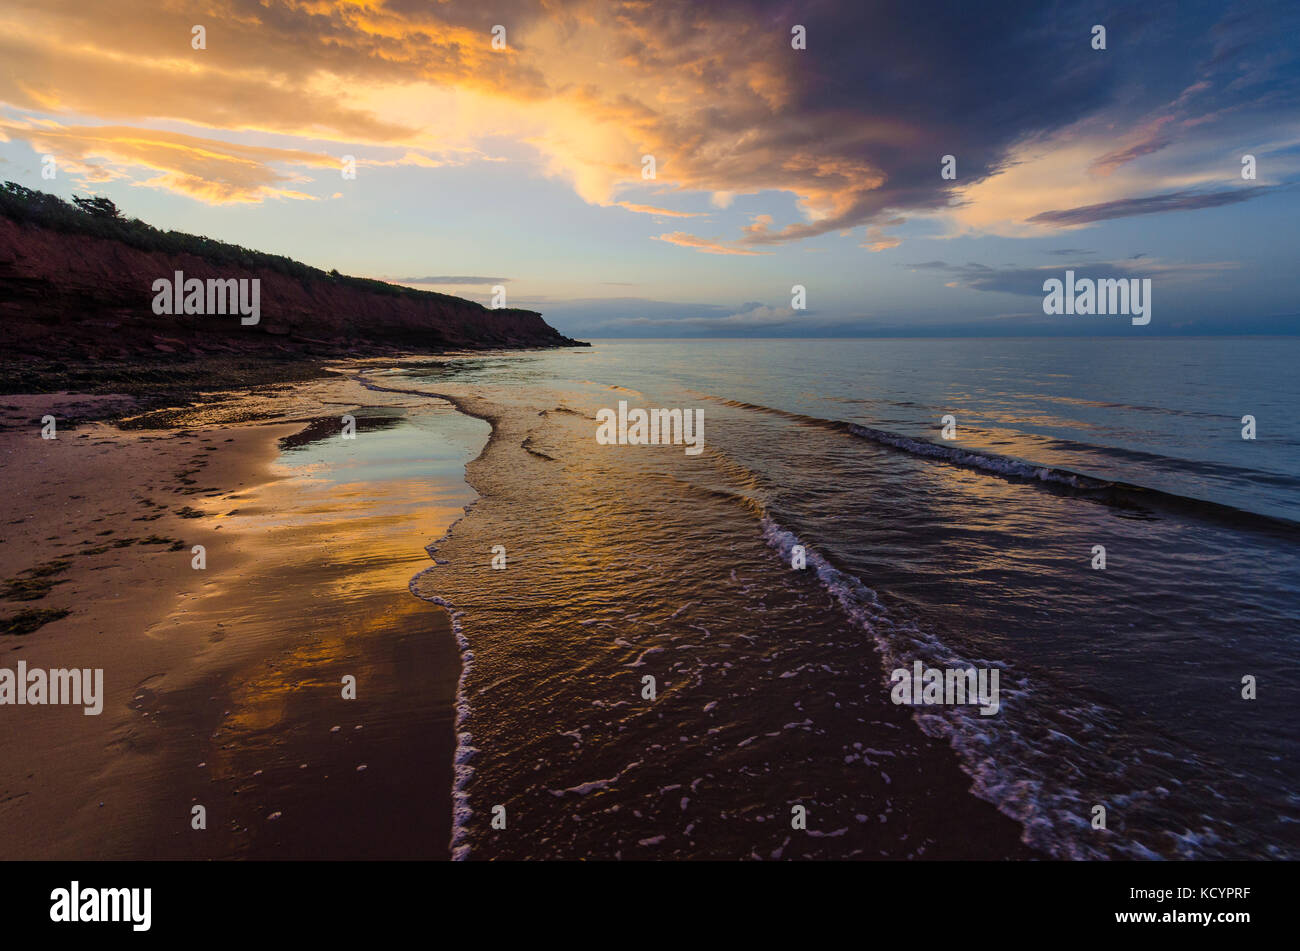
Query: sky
{"type": "Point", "coordinates": [793, 143]}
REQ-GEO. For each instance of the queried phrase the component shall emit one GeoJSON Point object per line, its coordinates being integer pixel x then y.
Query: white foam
{"type": "Point", "coordinates": [640, 661]}
{"type": "Point", "coordinates": [1012, 782]}
{"type": "Point", "coordinates": [985, 462]}
{"type": "Point", "coordinates": [463, 772]}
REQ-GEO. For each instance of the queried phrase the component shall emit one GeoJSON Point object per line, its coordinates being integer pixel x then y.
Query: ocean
{"type": "Point", "coordinates": [1124, 687]}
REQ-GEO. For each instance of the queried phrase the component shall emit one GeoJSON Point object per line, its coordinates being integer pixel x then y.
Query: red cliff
{"type": "Point", "coordinates": [67, 294]}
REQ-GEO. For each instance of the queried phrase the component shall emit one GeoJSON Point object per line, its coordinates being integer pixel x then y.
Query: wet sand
{"type": "Point", "coordinates": [223, 686]}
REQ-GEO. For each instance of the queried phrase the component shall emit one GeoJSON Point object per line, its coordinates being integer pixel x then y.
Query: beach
{"type": "Point", "coordinates": [223, 686]}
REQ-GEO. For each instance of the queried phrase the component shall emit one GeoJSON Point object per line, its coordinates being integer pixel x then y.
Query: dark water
{"type": "Point", "coordinates": [1119, 687]}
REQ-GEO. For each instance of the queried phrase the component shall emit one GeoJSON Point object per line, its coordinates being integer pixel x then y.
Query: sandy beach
{"type": "Point", "coordinates": [223, 687]}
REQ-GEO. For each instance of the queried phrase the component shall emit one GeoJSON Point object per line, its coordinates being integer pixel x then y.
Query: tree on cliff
{"type": "Point", "coordinates": [97, 207]}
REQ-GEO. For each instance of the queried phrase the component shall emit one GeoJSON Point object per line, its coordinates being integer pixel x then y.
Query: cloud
{"type": "Point", "coordinates": [877, 240]}
{"type": "Point", "coordinates": [1150, 205]}
{"type": "Point", "coordinates": [651, 210]}
{"type": "Point", "coordinates": [852, 128]}
{"type": "Point", "coordinates": [682, 239]}
{"type": "Point", "coordinates": [1028, 281]}
{"type": "Point", "coordinates": [1150, 138]}
{"type": "Point", "coordinates": [210, 170]}
{"type": "Point", "coordinates": [453, 156]}
{"type": "Point", "coordinates": [751, 316]}
{"type": "Point", "coordinates": [137, 64]}
{"type": "Point", "coordinates": [645, 317]}
{"type": "Point", "coordinates": [758, 317]}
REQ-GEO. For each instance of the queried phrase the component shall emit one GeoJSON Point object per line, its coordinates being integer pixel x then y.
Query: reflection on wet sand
{"type": "Point", "coordinates": [258, 731]}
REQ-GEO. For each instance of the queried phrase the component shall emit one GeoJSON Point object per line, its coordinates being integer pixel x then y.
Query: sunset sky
{"type": "Point", "coordinates": [774, 166]}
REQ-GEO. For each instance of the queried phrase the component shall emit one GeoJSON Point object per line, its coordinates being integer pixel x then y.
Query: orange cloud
{"type": "Point", "coordinates": [682, 239]}
{"type": "Point", "coordinates": [713, 92]}
{"type": "Point", "coordinates": [652, 210]}
{"type": "Point", "coordinates": [206, 169]}
{"type": "Point", "coordinates": [592, 86]}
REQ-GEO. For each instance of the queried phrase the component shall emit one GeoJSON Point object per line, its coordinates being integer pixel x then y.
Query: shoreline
{"type": "Point", "coordinates": [216, 679]}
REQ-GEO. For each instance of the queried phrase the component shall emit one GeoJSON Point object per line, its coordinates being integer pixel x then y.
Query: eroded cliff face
{"type": "Point", "coordinates": [72, 295]}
